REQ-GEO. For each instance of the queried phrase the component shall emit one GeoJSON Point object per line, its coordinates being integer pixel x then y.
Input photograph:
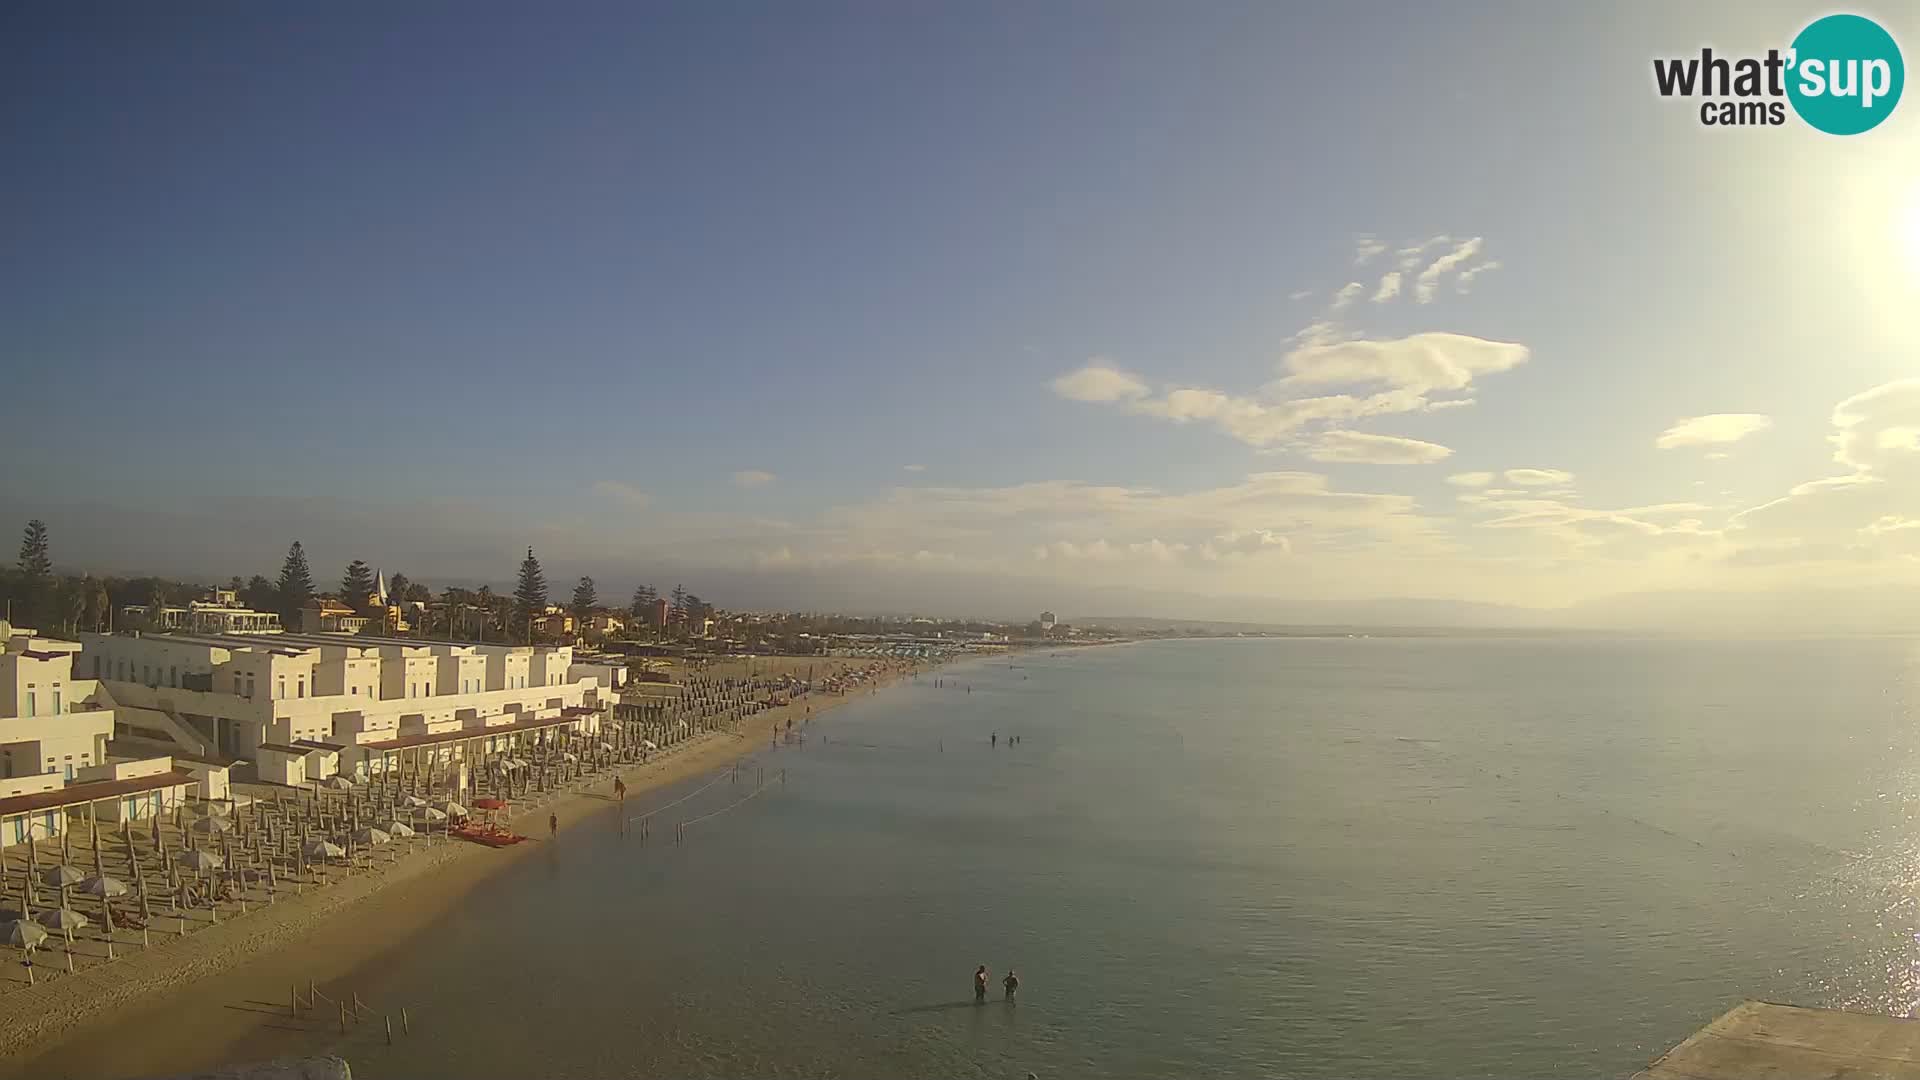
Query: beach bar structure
{"type": "Point", "coordinates": [43, 815]}
{"type": "Point", "coordinates": [1761, 1039]}
{"type": "Point", "coordinates": [459, 753]}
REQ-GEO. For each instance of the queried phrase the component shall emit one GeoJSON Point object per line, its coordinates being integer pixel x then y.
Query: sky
{"type": "Point", "coordinates": [1226, 310]}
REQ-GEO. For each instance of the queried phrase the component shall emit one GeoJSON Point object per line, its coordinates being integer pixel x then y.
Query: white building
{"type": "Point", "coordinates": [51, 724]}
{"type": "Point", "coordinates": [227, 695]}
{"type": "Point", "coordinates": [219, 615]}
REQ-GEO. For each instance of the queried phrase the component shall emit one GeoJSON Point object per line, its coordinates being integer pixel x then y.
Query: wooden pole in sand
{"type": "Point", "coordinates": [99, 870]}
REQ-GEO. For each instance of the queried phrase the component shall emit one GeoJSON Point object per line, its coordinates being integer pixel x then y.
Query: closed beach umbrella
{"type": "Point", "coordinates": [62, 876]}
{"type": "Point", "coordinates": [199, 860]}
{"type": "Point", "coordinates": [397, 828]}
{"type": "Point", "coordinates": [61, 918]}
{"type": "Point", "coordinates": [22, 934]}
{"type": "Point", "coordinates": [371, 836]}
{"type": "Point", "coordinates": [324, 849]}
{"type": "Point", "coordinates": [102, 886]}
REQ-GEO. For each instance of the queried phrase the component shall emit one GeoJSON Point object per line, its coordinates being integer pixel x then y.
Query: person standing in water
{"type": "Point", "coordinates": [1011, 983]}
{"type": "Point", "coordinates": [994, 739]}
{"type": "Point", "coordinates": [980, 977]}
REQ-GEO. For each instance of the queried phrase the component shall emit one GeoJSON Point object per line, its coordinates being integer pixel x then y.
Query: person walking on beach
{"type": "Point", "coordinates": [553, 826]}
{"type": "Point", "coordinates": [980, 977]}
{"type": "Point", "coordinates": [620, 789]}
{"type": "Point", "coordinates": [1011, 983]}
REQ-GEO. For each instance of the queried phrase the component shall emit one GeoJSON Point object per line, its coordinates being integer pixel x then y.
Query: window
{"type": "Point", "coordinates": [355, 691]}
{"type": "Point", "coordinates": [30, 711]}
{"type": "Point", "coordinates": [236, 684]}
{"type": "Point", "coordinates": [301, 685]}
{"type": "Point", "coordinates": [173, 676]}
{"type": "Point", "coordinates": [249, 688]}
{"type": "Point", "coordinates": [56, 701]}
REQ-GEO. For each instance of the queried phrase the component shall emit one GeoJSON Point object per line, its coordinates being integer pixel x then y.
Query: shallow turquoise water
{"type": "Point", "coordinates": [1353, 857]}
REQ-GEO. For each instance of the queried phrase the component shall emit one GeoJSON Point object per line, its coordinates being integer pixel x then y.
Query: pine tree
{"type": "Point", "coordinates": [530, 596]}
{"type": "Point", "coordinates": [679, 605]}
{"type": "Point", "coordinates": [585, 599]}
{"type": "Point", "coordinates": [356, 585]}
{"type": "Point", "coordinates": [35, 562]}
{"type": "Point", "coordinates": [258, 593]}
{"type": "Point", "coordinates": [643, 598]}
{"type": "Point", "coordinates": [296, 582]}
{"type": "Point", "coordinates": [397, 587]}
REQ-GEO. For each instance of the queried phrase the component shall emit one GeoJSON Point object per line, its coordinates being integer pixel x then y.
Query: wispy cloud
{"type": "Point", "coordinates": [914, 468]}
{"type": "Point", "coordinates": [1471, 479]}
{"type": "Point", "coordinates": [616, 491]}
{"type": "Point", "coordinates": [1419, 373]}
{"type": "Point", "coordinates": [1712, 429]}
{"type": "Point", "coordinates": [1428, 282]}
{"type": "Point", "coordinates": [1464, 283]}
{"type": "Point", "coordinates": [1100, 382]}
{"type": "Point", "coordinates": [1389, 287]}
{"type": "Point", "coordinates": [1538, 477]}
{"type": "Point", "coordinates": [1363, 448]}
{"type": "Point", "coordinates": [1367, 249]}
{"type": "Point", "coordinates": [752, 478]}
{"type": "Point", "coordinates": [1346, 295]}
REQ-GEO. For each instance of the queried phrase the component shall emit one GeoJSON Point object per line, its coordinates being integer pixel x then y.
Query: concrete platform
{"type": "Point", "coordinates": [1762, 1041]}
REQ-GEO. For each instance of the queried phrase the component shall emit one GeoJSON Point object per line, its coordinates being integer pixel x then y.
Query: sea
{"type": "Point", "coordinates": [1308, 857]}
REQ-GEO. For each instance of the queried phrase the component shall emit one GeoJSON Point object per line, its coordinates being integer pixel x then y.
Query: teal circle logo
{"type": "Point", "coordinates": [1845, 74]}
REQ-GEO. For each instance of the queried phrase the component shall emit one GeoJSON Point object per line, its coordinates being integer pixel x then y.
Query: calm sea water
{"type": "Point", "coordinates": [1357, 857]}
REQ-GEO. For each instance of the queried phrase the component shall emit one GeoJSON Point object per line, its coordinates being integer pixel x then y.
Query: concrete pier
{"type": "Point", "coordinates": [1761, 1040]}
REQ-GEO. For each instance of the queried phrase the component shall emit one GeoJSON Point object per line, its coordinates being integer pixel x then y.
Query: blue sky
{"type": "Point", "coordinates": [530, 278]}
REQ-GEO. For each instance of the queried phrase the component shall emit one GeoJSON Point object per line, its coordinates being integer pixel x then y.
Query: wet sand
{"type": "Point", "coordinates": [206, 998]}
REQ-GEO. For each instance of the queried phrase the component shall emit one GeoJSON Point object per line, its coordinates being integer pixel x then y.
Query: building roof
{"type": "Point", "coordinates": [283, 748]}
{"type": "Point", "coordinates": [405, 742]}
{"type": "Point", "coordinates": [316, 744]}
{"type": "Point", "coordinates": [91, 791]}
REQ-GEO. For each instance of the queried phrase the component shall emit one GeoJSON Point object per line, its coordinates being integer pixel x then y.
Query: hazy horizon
{"type": "Point", "coordinates": [973, 310]}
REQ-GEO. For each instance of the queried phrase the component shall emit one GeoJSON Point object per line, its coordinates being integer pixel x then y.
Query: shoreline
{"type": "Point", "coordinates": [138, 1005]}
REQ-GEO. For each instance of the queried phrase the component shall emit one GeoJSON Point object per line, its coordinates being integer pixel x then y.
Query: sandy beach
{"type": "Point", "coordinates": [186, 1000]}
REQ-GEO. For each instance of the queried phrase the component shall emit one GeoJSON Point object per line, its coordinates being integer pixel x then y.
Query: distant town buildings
{"type": "Point", "coordinates": [219, 613]}
{"type": "Point", "coordinates": [1047, 621]}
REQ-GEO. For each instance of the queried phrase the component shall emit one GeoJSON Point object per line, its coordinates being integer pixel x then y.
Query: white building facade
{"type": "Point", "coordinates": [227, 695]}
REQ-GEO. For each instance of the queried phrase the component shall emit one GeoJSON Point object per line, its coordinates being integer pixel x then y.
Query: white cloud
{"type": "Point", "coordinates": [752, 478]}
{"type": "Point", "coordinates": [1359, 447]}
{"type": "Point", "coordinates": [1421, 363]}
{"type": "Point", "coordinates": [1537, 477]}
{"type": "Point", "coordinates": [1878, 427]}
{"type": "Point", "coordinates": [1711, 429]}
{"type": "Point", "coordinates": [1391, 377]}
{"type": "Point", "coordinates": [616, 491]}
{"type": "Point", "coordinates": [1409, 257]}
{"type": "Point", "coordinates": [914, 468]}
{"type": "Point", "coordinates": [1099, 382]}
{"type": "Point", "coordinates": [1464, 283]}
{"type": "Point", "coordinates": [1389, 287]}
{"type": "Point", "coordinates": [1367, 248]}
{"type": "Point", "coordinates": [1346, 295]}
{"type": "Point", "coordinates": [1429, 280]}
{"type": "Point", "coordinates": [1299, 294]}
{"type": "Point", "coordinates": [1471, 479]}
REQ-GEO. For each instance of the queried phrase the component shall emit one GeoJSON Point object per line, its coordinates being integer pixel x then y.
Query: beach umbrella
{"type": "Point", "coordinates": [102, 886]}
{"type": "Point", "coordinates": [200, 860]}
{"type": "Point", "coordinates": [397, 828]}
{"type": "Point", "coordinates": [606, 748]}
{"type": "Point", "coordinates": [649, 744]}
{"type": "Point", "coordinates": [337, 783]}
{"type": "Point", "coordinates": [453, 809]}
{"type": "Point", "coordinates": [212, 825]}
{"type": "Point", "coordinates": [324, 849]}
{"type": "Point", "coordinates": [22, 934]}
{"type": "Point", "coordinates": [413, 800]}
{"type": "Point", "coordinates": [428, 813]}
{"type": "Point", "coordinates": [568, 755]}
{"type": "Point", "coordinates": [61, 918]}
{"type": "Point", "coordinates": [62, 876]}
{"type": "Point", "coordinates": [372, 837]}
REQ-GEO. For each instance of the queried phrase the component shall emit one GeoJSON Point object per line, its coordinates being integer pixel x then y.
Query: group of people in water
{"type": "Point", "coordinates": [981, 976]}
{"type": "Point", "coordinates": [994, 739]}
